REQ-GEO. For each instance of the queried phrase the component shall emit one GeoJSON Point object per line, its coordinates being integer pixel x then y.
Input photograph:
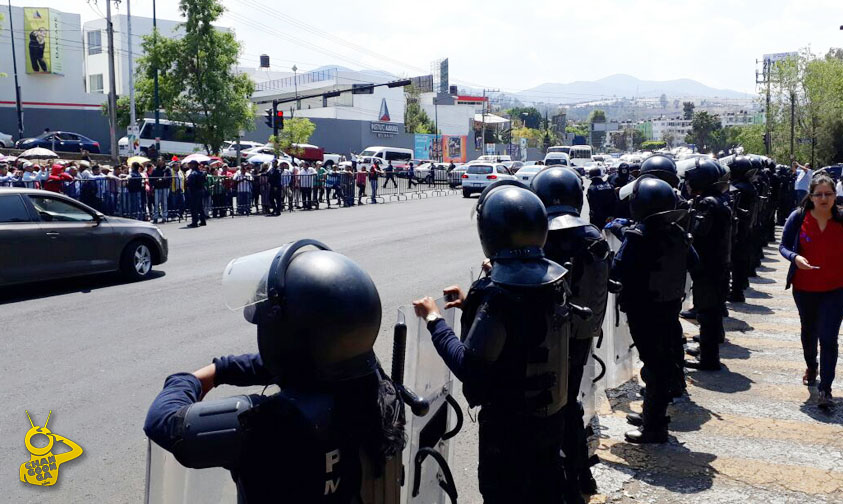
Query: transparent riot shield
{"type": "Point", "coordinates": [433, 417]}
{"type": "Point", "coordinates": [168, 482]}
{"type": "Point", "coordinates": [620, 353]}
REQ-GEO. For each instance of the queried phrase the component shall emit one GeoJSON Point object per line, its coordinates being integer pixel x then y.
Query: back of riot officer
{"type": "Point", "coordinates": [573, 241]}
{"type": "Point", "coordinates": [746, 208]}
{"type": "Point", "coordinates": [305, 443]}
{"type": "Point", "coordinates": [512, 359]}
{"type": "Point", "coordinates": [602, 199]}
{"type": "Point", "coordinates": [652, 264]}
{"type": "Point", "coordinates": [711, 228]}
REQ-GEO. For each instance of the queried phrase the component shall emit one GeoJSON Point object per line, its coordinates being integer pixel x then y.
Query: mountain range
{"type": "Point", "coordinates": [622, 86]}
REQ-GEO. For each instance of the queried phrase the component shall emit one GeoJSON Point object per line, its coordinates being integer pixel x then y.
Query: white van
{"type": "Point", "coordinates": [557, 159]}
{"type": "Point", "coordinates": [176, 138]}
{"type": "Point", "coordinates": [399, 157]}
{"type": "Point", "coordinates": [580, 155]}
{"type": "Point", "coordinates": [560, 148]}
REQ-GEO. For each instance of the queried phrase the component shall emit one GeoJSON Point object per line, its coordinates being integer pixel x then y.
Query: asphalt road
{"type": "Point", "coordinates": [96, 351]}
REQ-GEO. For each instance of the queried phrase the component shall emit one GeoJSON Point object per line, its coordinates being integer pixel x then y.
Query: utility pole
{"type": "Point", "coordinates": [155, 85]}
{"type": "Point", "coordinates": [296, 85]}
{"type": "Point", "coordinates": [765, 79]}
{"type": "Point", "coordinates": [15, 67]}
{"type": "Point", "coordinates": [132, 119]}
{"type": "Point", "coordinates": [112, 92]}
{"type": "Point", "coordinates": [483, 129]}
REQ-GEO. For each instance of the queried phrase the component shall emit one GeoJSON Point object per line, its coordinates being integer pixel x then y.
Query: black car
{"type": "Point", "coordinates": [60, 141]}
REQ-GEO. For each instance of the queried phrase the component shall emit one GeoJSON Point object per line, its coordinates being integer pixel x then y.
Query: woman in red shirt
{"type": "Point", "coordinates": [812, 241]}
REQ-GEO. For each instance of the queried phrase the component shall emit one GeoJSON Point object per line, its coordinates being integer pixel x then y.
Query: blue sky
{"type": "Point", "coordinates": [517, 45]}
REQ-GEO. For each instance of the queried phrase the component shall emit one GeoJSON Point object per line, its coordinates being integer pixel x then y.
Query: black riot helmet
{"type": "Point", "coordinates": [662, 167]}
{"type": "Point", "coordinates": [594, 173]}
{"type": "Point", "coordinates": [560, 190]}
{"type": "Point", "coordinates": [318, 313]}
{"type": "Point", "coordinates": [512, 223]}
{"type": "Point", "coordinates": [741, 169]}
{"type": "Point", "coordinates": [757, 163]}
{"type": "Point", "coordinates": [703, 175]}
{"type": "Point", "coordinates": [650, 196]}
{"type": "Point", "coordinates": [623, 169]}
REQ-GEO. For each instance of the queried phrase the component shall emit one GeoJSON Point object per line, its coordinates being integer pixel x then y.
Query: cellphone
{"type": "Point", "coordinates": [815, 267]}
{"type": "Point", "coordinates": [451, 297]}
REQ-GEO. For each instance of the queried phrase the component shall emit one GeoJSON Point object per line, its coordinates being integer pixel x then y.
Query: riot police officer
{"type": "Point", "coordinates": [572, 240]}
{"type": "Point", "coordinates": [762, 187]}
{"type": "Point", "coordinates": [746, 207]}
{"type": "Point", "coordinates": [621, 177]}
{"type": "Point", "coordinates": [602, 199]}
{"type": "Point", "coordinates": [512, 359]}
{"type": "Point", "coordinates": [196, 185]}
{"type": "Point", "coordinates": [652, 264]}
{"type": "Point", "coordinates": [711, 228]}
{"type": "Point", "coordinates": [307, 442]}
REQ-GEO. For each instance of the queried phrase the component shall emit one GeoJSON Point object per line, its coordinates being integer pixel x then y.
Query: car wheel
{"type": "Point", "coordinates": [136, 261]}
{"type": "Point", "coordinates": [466, 193]}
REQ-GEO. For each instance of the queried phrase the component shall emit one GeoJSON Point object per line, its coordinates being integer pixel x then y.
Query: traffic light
{"type": "Point", "coordinates": [269, 117]}
{"type": "Point", "coordinates": [279, 121]}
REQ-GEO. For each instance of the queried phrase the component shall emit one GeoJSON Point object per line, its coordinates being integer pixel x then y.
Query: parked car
{"type": "Point", "coordinates": [229, 149]}
{"type": "Point", "coordinates": [455, 175]}
{"type": "Point", "coordinates": [432, 172]}
{"type": "Point", "coordinates": [60, 141]}
{"type": "Point", "coordinates": [527, 173]}
{"type": "Point", "coordinates": [478, 176]}
{"type": "Point", "coordinates": [46, 235]}
{"type": "Point", "coordinates": [6, 140]}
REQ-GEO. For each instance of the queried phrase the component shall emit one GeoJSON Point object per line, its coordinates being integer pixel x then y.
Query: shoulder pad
{"type": "Point", "coordinates": [212, 434]}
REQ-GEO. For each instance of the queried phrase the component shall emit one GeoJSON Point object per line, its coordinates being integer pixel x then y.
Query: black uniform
{"type": "Point", "coordinates": [652, 265]}
{"type": "Point", "coordinates": [746, 199]}
{"type": "Point", "coordinates": [512, 359]}
{"type": "Point", "coordinates": [336, 412]}
{"type": "Point", "coordinates": [196, 184]}
{"type": "Point", "coordinates": [602, 202]}
{"type": "Point", "coordinates": [711, 228]}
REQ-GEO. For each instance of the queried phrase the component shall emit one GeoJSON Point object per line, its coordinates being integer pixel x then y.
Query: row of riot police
{"type": "Point", "coordinates": [526, 333]}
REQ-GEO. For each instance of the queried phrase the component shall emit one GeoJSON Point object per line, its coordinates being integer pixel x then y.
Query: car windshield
{"type": "Point", "coordinates": [479, 170]}
{"type": "Point", "coordinates": [556, 161]}
{"type": "Point", "coordinates": [367, 153]}
{"type": "Point", "coordinates": [530, 169]}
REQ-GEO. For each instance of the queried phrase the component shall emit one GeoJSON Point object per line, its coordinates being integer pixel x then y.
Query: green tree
{"type": "Point", "coordinates": [416, 119]}
{"type": "Point", "coordinates": [688, 110]}
{"type": "Point", "coordinates": [297, 130]}
{"type": "Point", "coordinates": [751, 138]}
{"type": "Point", "coordinates": [652, 145]}
{"type": "Point", "coordinates": [703, 125]}
{"type": "Point", "coordinates": [197, 79]}
{"type": "Point", "coordinates": [577, 129]}
{"type": "Point", "coordinates": [532, 119]}
{"type": "Point", "coordinates": [597, 116]}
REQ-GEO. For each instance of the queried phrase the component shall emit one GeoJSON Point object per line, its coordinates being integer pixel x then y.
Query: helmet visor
{"type": "Point", "coordinates": [244, 281]}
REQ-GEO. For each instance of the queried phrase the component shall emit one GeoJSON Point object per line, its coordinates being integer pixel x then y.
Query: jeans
{"type": "Point", "coordinates": [176, 206]}
{"type": "Point", "coordinates": [361, 191]}
{"type": "Point", "coordinates": [800, 194]}
{"type": "Point", "coordinates": [135, 205]}
{"type": "Point", "coordinates": [305, 197]}
{"type": "Point", "coordinates": [820, 314]}
{"type": "Point", "coordinates": [374, 184]}
{"type": "Point", "coordinates": [160, 206]}
{"type": "Point", "coordinates": [390, 177]}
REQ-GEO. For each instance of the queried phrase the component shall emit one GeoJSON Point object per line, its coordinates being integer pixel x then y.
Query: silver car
{"type": "Point", "coordinates": [46, 235]}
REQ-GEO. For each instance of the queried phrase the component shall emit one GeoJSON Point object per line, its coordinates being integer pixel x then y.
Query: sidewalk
{"type": "Point", "coordinates": [750, 433]}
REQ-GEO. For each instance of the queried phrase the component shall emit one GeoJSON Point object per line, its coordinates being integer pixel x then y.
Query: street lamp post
{"type": "Point", "coordinates": [155, 86]}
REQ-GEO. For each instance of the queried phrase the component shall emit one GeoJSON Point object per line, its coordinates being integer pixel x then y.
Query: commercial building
{"type": "Point", "coordinates": [49, 50]}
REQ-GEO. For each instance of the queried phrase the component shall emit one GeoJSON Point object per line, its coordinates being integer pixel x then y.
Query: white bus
{"type": "Point", "coordinates": [176, 138]}
{"type": "Point", "coordinates": [580, 155]}
{"type": "Point", "coordinates": [566, 149]}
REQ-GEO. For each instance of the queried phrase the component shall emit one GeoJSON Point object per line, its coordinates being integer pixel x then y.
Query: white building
{"type": "Point", "coordinates": [55, 99]}
{"type": "Point", "coordinates": [677, 127]}
{"type": "Point", "coordinates": [96, 49]}
{"type": "Point", "coordinates": [454, 115]}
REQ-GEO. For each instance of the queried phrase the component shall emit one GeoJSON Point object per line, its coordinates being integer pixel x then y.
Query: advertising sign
{"type": "Point", "coordinates": [423, 146]}
{"type": "Point", "coordinates": [42, 29]}
{"type": "Point", "coordinates": [385, 129]}
{"type": "Point", "coordinates": [454, 149]}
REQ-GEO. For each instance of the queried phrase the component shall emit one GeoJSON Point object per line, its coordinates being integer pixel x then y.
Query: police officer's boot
{"type": "Point", "coordinates": [654, 428]}
{"type": "Point", "coordinates": [635, 419]}
{"type": "Point", "coordinates": [588, 485]}
{"type": "Point", "coordinates": [572, 487]}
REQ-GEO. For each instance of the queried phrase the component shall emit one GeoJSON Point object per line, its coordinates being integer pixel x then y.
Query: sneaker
{"type": "Point", "coordinates": [809, 379]}
{"type": "Point", "coordinates": [825, 400]}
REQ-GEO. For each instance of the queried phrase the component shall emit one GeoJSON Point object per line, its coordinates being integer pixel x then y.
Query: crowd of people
{"type": "Point", "coordinates": [163, 190]}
